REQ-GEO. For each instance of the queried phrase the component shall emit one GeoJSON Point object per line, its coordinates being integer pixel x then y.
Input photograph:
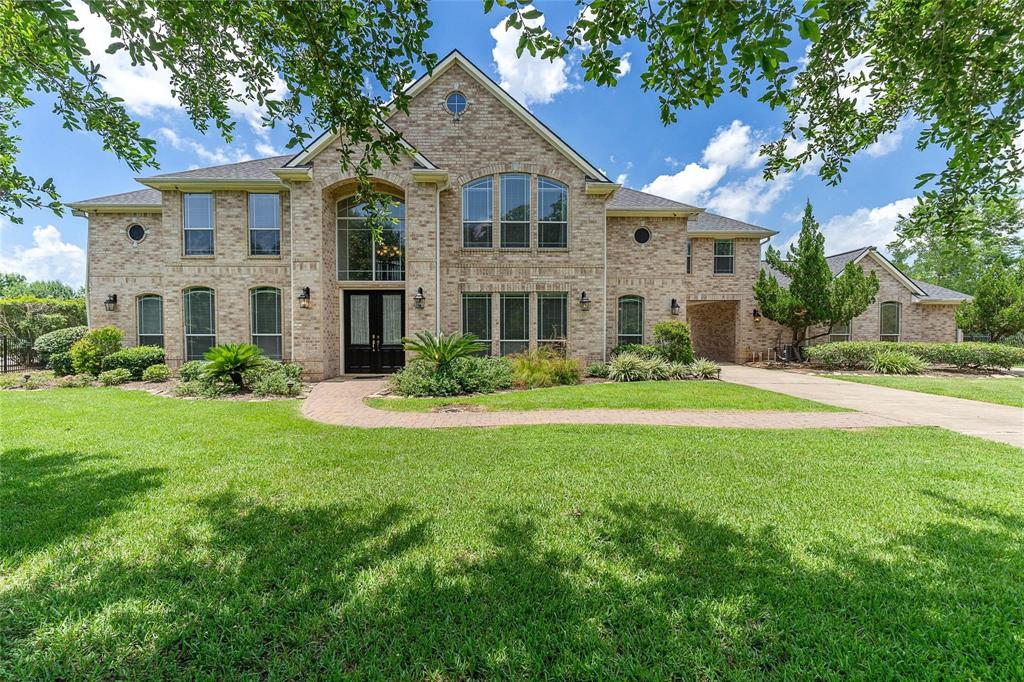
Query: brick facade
{"type": "Point", "coordinates": [602, 257]}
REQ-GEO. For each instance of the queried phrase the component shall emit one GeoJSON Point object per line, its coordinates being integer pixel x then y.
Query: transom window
{"type": "Point", "coordinates": [151, 320]}
{"type": "Point", "coordinates": [478, 213]}
{"type": "Point", "coordinates": [264, 225]}
{"type": "Point", "coordinates": [265, 313]}
{"type": "Point", "coordinates": [840, 332]}
{"type": "Point", "coordinates": [515, 211]}
{"type": "Point", "coordinates": [197, 211]}
{"type": "Point", "coordinates": [515, 323]}
{"type": "Point", "coordinates": [200, 322]}
{"type": "Point", "coordinates": [552, 319]}
{"type": "Point", "coordinates": [476, 318]}
{"type": "Point", "coordinates": [552, 214]}
{"type": "Point", "coordinates": [889, 316]}
{"type": "Point", "coordinates": [631, 319]}
{"type": "Point", "coordinates": [359, 257]}
{"type": "Point", "coordinates": [724, 258]}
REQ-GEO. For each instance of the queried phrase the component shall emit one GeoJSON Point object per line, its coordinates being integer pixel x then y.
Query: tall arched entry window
{"type": "Point", "coordinates": [631, 319]}
{"type": "Point", "coordinates": [359, 257]}
{"type": "Point", "coordinates": [889, 321]}
{"type": "Point", "coordinates": [151, 320]}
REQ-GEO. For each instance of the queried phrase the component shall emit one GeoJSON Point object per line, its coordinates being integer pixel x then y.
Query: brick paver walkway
{"type": "Point", "coordinates": [341, 402]}
{"type": "Point", "coordinates": [972, 417]}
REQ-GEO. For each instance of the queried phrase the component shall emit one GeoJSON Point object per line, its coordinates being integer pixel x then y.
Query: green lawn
{"type": "Point", "coordinates": [146, 537]}
{"type": "Point", "coordinates": [646, 395]}
{"type": "Point", "coordinates": [1004, 391]}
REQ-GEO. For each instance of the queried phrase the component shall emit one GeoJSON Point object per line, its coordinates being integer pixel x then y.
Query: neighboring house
{"type": "Point", "coordinates": [905, 309]}
{"type": "Point", "coordinates": [501, 229]}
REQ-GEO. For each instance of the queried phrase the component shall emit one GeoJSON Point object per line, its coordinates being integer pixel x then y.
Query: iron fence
{"type": "Point", "coordinates": [15, 356]}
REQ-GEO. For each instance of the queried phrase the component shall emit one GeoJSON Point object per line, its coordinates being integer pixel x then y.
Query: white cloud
{"type": "Point", "coordinates": [529, 79]}
{"type": "Point", "coordinates": [675, 163]}
{"type": "Point", "coordinates": [621, 178]}
{"type": "Point", "coordinates": [734, 146]}
{"type": "Point", "coordinates": [49, 257]}
{"type": "Point", "coordinates": [889, 142]}
{"type": "Point", "coordinates": [215, 156]}
{"type": "Point", "coordinates": [865, 226]}
{"type": "Point", "coordinates": [753, 196]}
{"type": "Point", "coordinates": [624, 65]}
{"type": "Point", "coordinates": [266, 149]}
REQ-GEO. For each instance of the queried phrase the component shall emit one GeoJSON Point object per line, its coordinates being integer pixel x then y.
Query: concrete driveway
{"type": "Point", "coordinates": [986, 420]}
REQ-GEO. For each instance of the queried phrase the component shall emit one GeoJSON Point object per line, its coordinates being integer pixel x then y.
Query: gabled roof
{"type": "Point", "coordinates": [329, 136]}
{"type": "Point", "coordinates": [711, 224]}
{"type": "Point", "coordinates": [256, 169]}
{"type": "Point", "coordinates": [456, 57]}
{"type": "Point", "coordinates": [631, 199]}
{"type": "Point", "coordinates": [144, 200]}
{"type": "Point", "coordinates": [928, 293]}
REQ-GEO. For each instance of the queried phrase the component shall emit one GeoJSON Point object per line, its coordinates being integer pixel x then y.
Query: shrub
{"type": "Point", "coordinates": [156, 373]}
{"type": "Point", "coordinates": [627, 367]}
{"type": "Point", "coordinates": [655, 368]}
{"type": "Point", "coordinates": [61, 363]}
{"type": "Point", "coordinates": [542, 368]}
{"type": "Point", "coordinates": [441, 350]}
{"type": "Point", "coordinates": [896, 362]}
{"type": "Point", "coordinates": [202, 388]}
{"type": "Point", "coordinates": [115, 377]}
{"type": "Point", "coordinates": [88, 352]}
{"type": "Point", "coordinates": [642, 350]}
{"type": "Point", "coordinates": [230, 361]}
{"type": "Point", "coordinates": [673, 340]}
{"type": "Point", "coordinates": [191, 370]}
{"type": "Point", "coordinates": [702, 368]}
{"type": "Point", "coordinates": [598, 370]}
{"type": "Point", "coordinates": [57, 341]}
{"type": "Point", "coordinates": [275, 378]}
{"type": "Point", "coordinates": [135, 360]}
{"type": "Point", "coordinates": [679, 370]}
{"type": "Point", "coordinates": [465, 375]}
{"type": "Point", "coordinates": [859, 354]}
{"type": "Point", "coordinates": [75, 381]}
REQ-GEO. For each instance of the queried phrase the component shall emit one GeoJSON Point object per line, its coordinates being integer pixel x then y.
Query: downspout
{"type": "Point", "coordinates": [88, 229]}
{"type": "Point", "coordinates": [604, 323]}
{"type": "Point", "coordinates": [437, 258]}
{"type": "Point", "coordinates": [291, 271]}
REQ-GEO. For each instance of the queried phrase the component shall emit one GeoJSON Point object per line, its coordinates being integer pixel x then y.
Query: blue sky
{"type": "Point", "coordinates": [708, 158]}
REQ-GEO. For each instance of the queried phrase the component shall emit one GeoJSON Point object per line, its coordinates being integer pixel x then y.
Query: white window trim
{"type": "Point", "coordinates": [252, 229]}
{"type": "Point", "coordinates": [138, 319]}
{"type": "Point", "coordinates": [731, 256]}
{"type": "Point", "coordinates": [899, 321]}
{"type": "Point", "coordinates": [501, 211]}
{"type": "Point", "coordinates": [501, 320]}
{"type": "Point", "coordinates": [618, 319]}
{"type": "Point", "coordinates": [848, 336]}
{"type": "Point", "coordinates": [564, 223]}
{"type": "Point", "coordinates": [184, 317]}
{"type": "Point", "coordinates": [185, 229]}
{"type": "Point", "coordinates": [490, 210]}
{"type": "Point", "coordinates": [479, 295]}
{"type": "Point", "coordinates": [373, 251]}
{"type": "Point", "coordinates": [252, 318]}
{"type": "Point", "coordinates": [553, 295]}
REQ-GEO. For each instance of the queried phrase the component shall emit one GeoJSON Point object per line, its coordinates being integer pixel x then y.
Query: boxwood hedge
{"type": "Point", "coordinates": [859, 354]}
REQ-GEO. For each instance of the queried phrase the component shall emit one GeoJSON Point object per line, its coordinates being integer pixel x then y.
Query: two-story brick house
{"type": "Point", "coordinates": [501, 229]}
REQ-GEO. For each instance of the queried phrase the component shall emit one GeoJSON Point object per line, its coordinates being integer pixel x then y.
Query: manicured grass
{"type": "Point", "coordinates": [1001, 390]}
{"type": "Point", "coordinates": [145, 537]}
{"type": "Point", "coordinates": [643, 395]}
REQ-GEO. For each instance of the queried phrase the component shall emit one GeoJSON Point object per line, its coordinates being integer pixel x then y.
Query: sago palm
{"type": "Point", "coordinates": [231, 360]}
{"type": "Point", "coordinates": [442, 350]}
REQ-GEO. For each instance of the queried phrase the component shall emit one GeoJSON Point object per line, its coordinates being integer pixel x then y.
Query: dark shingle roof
{"type": "Point", "coordinates": [838, 261]}
{"type": "Point", "coordinates": [626, 198]}
{"type": "Point", "coordinates": [712, 222]}
{"type": "Point", "coordinates": [257, 169]}
{"type": "Point", "coordinates": [140, 197]}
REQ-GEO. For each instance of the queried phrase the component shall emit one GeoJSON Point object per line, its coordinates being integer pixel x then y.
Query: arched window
{"type": "Point", "coordinates": [515, 211]}
{"type": "Point", "coordinates": [631, 319]}
{"type": "Point", "coordinates": [889, 321]}
{"type": "Point", "coordinates": [552, 214]}
{"type": "Point", "coordinates": [478, 213]}
{"type": "Point", "coordinates": [200, 322]}
{"type": "Point", "coordinates": [150, 320]}
{"type": "Point", "coordinates": [265, 320]}
{"type": "Point", "coordinates": [359, 257]}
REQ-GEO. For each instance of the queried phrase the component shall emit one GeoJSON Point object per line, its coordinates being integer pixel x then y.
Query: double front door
{"type": "Point", "coordinates": [374, 325]}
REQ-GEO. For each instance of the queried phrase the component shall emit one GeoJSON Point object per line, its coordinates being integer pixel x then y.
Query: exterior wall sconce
{"type": "Point", "coordinates": [419, 298]}
{"type": "Point", "coordinates": [584, 301]}
{"type": "Point", "coordinates": [111, 303]}
{"type": "Point", "coordinates": [675, 307]}
{"type": "Point", "coordinates": [757, 315]}
{"type": "Point", "coordinates": [304, 298]}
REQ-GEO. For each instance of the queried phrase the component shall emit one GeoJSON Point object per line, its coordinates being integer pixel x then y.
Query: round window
{"type": "Point", "coordinates": [455, 103]}
{"type": "Point", "coordinates": [136, 232]}
{"type": "Point", "coordinates": [642, 235]}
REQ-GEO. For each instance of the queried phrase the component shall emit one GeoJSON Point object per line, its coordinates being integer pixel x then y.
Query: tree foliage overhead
{"type": "Point", "coordinates": [956, 66]}
{"type": "Point", "coordinates": [15, 284]}
{"type": "Point", "coordinates": [994, 236]}
{"type": "Point", "coordinates": [812, 297]}
{"type": "Point", "coordinates": [216, 53]}
{"type": "Point", "coordinates": [998, 305]}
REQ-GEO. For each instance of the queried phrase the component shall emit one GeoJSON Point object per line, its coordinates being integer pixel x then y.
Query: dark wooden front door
{"type": "Point", "coordinates": [374, 326]}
